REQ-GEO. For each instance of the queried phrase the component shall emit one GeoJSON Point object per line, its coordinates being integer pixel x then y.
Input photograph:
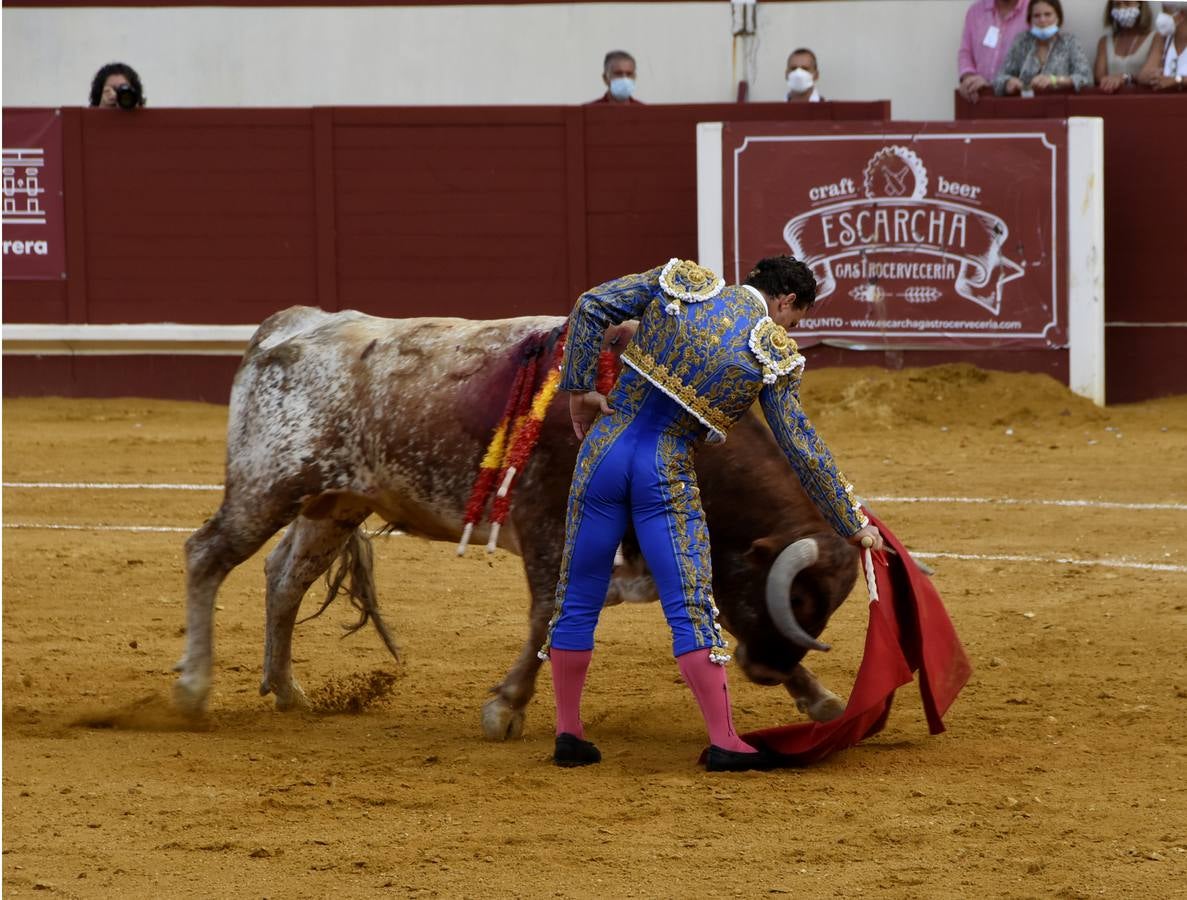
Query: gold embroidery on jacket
{"type": "Point", "coordinates": [672, 385]}
{"type": "Point", "coordinates": [683, 279]}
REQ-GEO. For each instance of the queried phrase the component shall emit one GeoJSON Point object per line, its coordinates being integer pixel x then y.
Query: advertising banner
{"type": "Point", "coordinates": [944, 236]}
{"type": "Point", "coordinates": [34, 231]}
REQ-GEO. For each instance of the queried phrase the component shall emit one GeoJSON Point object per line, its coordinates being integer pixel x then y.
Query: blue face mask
{"type": "Point", "coordinates": [1045, 34]}
{"type": "Point", "coordinates": [622, 88]}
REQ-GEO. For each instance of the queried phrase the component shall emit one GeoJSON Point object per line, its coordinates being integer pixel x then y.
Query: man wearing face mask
{"type": "Point", "coordinates": [1166, 66]}
{"type": "Point", "coordinates": [618, 74]}
{"type": "Point", "coordinates": [802, 75]}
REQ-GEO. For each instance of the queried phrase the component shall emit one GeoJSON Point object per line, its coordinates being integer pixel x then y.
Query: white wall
{"type": "Point", "coordinates": [904, 50]}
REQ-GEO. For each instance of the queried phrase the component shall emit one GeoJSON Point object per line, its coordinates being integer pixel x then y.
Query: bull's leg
{"type": "Point", "coordinates": [811, 697]}
{"type": "Point", "coordinates": [503, 714]}
{"type": "Point", "coordinates": [223, 542]}
{"type": "Point", "coordinates": [308, 548]}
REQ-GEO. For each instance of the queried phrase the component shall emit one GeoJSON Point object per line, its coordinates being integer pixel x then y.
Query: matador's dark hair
{"type": "Point", "coordinates": [777, 275]}
{"type": "Point", "coordinates": [106, 72]}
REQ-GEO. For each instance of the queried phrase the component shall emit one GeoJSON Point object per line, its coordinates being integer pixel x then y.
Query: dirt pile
{"type": "Point", "coordinates": [953, 395]}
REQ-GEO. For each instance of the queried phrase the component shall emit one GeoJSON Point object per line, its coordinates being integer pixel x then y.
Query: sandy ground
{"type": "Point", "coordinates": [1061, 774]}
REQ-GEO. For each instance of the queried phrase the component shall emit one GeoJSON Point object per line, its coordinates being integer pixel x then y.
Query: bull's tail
{"type": "Point", "coordinates": [353, 574]}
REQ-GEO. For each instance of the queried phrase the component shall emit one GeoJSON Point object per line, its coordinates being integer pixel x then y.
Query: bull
{"type": "Point", "coordinates": [337, 416]}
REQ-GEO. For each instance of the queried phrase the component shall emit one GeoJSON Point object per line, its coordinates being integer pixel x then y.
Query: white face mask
{"type": "Point", "coordinates": [1126, 17]}
{"type": "Point", "coordinates": [1165, 23]}
{"type": "Point", "coordinates": [799, 81]}
{"type": "Point", "coordinates": [622, 88]}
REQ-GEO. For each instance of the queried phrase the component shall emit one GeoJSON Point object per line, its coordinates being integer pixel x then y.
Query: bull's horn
{"type": "Point", "coordinates": [787, 565]}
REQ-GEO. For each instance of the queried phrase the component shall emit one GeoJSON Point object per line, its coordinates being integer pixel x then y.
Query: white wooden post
{"type": "Point", "coordinates": [710, 236]}
{"type": "Point", "coordinates": [1086, 257]}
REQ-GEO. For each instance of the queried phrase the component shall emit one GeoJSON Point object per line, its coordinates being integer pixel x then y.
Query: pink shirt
{"type": "Point", "coordinates": [975, 55]}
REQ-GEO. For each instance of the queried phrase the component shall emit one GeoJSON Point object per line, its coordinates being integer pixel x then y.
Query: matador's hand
{"type": "Point", "coordinates": [868, 537]}
{"type": "Point", "coordinates": [584, 407]}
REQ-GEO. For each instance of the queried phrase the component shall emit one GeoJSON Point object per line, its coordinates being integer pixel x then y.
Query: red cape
{"type": "Point", "coordinates": [909, 631]}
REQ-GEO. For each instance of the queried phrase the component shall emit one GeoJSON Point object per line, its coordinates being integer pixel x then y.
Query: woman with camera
{"type": "Point", "coordinates": [117, 86]}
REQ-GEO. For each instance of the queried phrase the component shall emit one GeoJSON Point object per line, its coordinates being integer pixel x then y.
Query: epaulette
{"type": "Point", "coordinates": [775, 349]}
{"type": "Point", "coordinates": [683, 279]}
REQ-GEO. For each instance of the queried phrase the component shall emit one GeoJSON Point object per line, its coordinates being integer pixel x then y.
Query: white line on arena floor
{"type": "Point", "coordinates": [993, 501]}
{"type": "Point", "coordinates": [974, 557]}
{"type": "Point", "coordinates": [110, 486]}
{"type": "Point", "coordinates": [1062, 560]}
{"type": "Point", "coordinates": [1012, 501]}
{"type": "Point", "coordinates": [49, 526]}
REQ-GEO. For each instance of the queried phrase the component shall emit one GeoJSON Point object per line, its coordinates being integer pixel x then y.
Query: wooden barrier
{"type": "Point", "coordinates": [220, 217]}
{"type": "Point", "coordinates": [1145, 321]}
{"type": "Point", "coordinates": [223, 216]}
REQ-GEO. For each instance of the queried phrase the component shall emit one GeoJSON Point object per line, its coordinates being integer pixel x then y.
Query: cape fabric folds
{"type": "Point", "coordinates": [909, 630]}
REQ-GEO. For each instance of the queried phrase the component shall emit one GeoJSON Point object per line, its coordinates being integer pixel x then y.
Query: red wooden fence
{"type": "Point", "coordinates": [1145, 193]}
{"type": "Point", "coordinates": [225, 216]}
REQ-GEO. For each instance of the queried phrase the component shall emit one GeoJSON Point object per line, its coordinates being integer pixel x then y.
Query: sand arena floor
{"type": "Point", "coordinates": [1061, 774]}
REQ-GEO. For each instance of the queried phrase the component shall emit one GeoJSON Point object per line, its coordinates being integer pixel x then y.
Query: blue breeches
{"type": "Point", "coordinates": [635, 467]}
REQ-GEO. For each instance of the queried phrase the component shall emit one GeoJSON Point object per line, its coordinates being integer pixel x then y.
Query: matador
{"type": "Point", "coordinates": [702, 354]}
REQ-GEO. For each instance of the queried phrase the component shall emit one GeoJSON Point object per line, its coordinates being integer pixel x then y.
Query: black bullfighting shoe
{"type": "Point", "coordinates": [722, 760]}
{"type": "Point", "coordinates": [572, 751]}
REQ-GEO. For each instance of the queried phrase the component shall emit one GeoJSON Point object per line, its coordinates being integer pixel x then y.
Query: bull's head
{"type": "Point", "coordinates": [806, 581]}
{"type": "Point", "coordinates": [793, 559]}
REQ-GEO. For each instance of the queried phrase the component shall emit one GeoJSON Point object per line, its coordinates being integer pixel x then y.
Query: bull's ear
{"type": "Point", "coordinates": [763, 551]}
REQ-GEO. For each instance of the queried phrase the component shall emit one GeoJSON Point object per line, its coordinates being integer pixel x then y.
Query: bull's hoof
{"type": "Point", "coordinates": [822, 709]}
{"type": "Point", "coordinates": [292, 699]}
{"type": "Point", "coordinates": [500, 722]}
{"type": "Point", "coordinates": [190, 695]}
{"type": "Point", "coordinates": [289, 696]}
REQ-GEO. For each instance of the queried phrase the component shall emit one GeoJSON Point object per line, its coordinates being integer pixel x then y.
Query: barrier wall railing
{"type": "Point", "coordinates": [207, 221]}
{"type": "Point", "coordinates": [215, 218]}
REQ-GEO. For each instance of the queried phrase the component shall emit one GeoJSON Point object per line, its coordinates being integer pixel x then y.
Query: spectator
{"type": "Point", "coordinates": [117, 86]}
{"type": "Point", "coordinates": [990, 27]}
{"type": "Point", "coordinates": [802, 75]}
{"type": "Point", "coordinates": [1123, 49]}
{"type": "Point", "coordinates": [618, 74]}
{"type": "Point", "coordinates": [1166, 66]}
{"type": "Point", "coordinates": [1043, 58]}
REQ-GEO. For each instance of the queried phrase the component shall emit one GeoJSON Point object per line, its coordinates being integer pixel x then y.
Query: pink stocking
{"type": "Point", "coordinates": [708, 684]}
{"type": "Point", "coordinates": [568, 681]}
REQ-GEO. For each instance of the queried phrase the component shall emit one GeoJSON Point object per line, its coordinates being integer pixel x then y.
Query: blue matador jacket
{"type": "Point", "coordinates": [714, 350]}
